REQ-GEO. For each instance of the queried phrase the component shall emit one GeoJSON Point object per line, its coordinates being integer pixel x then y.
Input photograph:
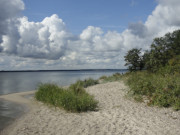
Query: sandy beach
{"type": "Point", "coordinates": [117, 115]}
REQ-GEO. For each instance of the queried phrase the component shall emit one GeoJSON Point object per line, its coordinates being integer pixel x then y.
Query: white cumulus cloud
{"type": "Point", "coordinates": [46, 39]}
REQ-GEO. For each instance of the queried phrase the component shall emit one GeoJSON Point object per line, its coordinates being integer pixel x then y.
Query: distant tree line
{"type": "Point", "coordinates": [164, 52]}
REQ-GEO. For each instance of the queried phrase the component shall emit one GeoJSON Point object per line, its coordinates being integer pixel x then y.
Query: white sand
{"type": "Point", "coordinates": [116, 116]}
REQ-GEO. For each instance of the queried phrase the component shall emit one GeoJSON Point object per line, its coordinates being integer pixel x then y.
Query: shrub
{"type": "Point", "coordinates": [103, 77]}
{"type": "Point", "coordinates": [78, 102]}
{"type": "Point", "coordinates": [161, 90]}
{"type": "Point", "coordinates": [74, 99]}
{"type": "Point", "coordinates": [90, 82]}
{"type": "Point", "coordinates": [77, 87]}
{"type": "Point", "coordinates": [114, 77]}
{"type": "Point", "coordinates": [48, 93]}
{"type": "Point", "coordinates": [86, 83]}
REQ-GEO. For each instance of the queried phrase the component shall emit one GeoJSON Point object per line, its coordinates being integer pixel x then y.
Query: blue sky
{"type": "Point", "coordinates": [78, 14]}
{"type": "Point", "coordinates": [80, 34]}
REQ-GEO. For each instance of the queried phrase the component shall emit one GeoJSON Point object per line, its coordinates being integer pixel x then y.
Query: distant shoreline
{"type": "Point", "coordinates": [64, 70]}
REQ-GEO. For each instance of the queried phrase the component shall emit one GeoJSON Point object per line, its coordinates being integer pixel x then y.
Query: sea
{"type": "Point", "coordinates": [21, 81]}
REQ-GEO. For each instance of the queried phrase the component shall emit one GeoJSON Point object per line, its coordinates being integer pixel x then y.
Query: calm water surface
{"type": "Point", "coordinates": [12, 82]}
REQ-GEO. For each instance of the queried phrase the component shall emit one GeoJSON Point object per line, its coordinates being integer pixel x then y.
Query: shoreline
{"type": "Point", "coordinates": [116, 115]}
{"type": "Point", "coordinates": [16, 106]}
{"type": "Point", "coordinates": [18, 97]}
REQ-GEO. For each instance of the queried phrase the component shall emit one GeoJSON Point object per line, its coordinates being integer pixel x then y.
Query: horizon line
{"type": "Point", "coordinates": [59, 70]}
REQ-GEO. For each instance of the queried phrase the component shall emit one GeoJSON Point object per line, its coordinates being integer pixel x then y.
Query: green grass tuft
{"type": "Point", "coordinates": [74, 98]}
{"type": "Point", "coordinates": [114, 77]}
{"type": "Point", "coordinates": [85, 83]}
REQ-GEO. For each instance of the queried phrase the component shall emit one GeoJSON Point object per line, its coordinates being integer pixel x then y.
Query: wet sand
{"type": "Point", "coordinates": [117, 115]}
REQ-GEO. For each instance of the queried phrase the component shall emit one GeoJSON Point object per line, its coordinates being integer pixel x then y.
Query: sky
{"type": "Point", "coordinates": [81, 34]}
{"type": "Point", "coordinates": [107, 14]}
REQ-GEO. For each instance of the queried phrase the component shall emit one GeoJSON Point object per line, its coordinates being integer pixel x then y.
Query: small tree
{"type": "Point", "coordinates": [134, 60]}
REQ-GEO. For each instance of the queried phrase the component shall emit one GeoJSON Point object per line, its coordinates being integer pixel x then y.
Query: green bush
{"type": "Point", "coordinates": [161, 89]}
{"type": "Point", "coordinates": [86, 83]}
{"type": "Point", "coordinates": [78, 102]}
{"type": "Point", "coordinates": [77, 88]}
{"type": "Point", "coordinates": [74, 99]}
{"type": "Point", "coordinates": [48, 93]}
{"type": "Point", "coordinates": [114, 77]}
{"type": "Point", "coordinates": [103, 77]}
{"type": "Point", "coordinates": [90, 82]}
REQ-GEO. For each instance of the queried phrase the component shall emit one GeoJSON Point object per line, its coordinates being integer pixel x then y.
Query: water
{"type": "Point", "coordinates": [13, 82]}
{"type": "Point", "coordinates": [9, 111]}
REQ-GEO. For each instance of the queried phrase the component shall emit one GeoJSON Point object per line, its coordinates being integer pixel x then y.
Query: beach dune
{"type": "Point", "coordinates": [116, 115]}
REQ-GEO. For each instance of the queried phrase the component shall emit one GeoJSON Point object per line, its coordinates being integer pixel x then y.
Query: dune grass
{"type": "Point", "coordinates": [74, 98]}
{"type": "Point", "coordinates": [161, 89]}
{"type": "Point", "coordinates": [112, 78]}
{"type": "Point", "coordinates": [85, 83]}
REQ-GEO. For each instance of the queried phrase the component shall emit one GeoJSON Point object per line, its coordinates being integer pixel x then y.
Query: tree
{"type": "Point", "coordinates": [162, 50]}
{"type": "Point", "coordinates": [134, 60]}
